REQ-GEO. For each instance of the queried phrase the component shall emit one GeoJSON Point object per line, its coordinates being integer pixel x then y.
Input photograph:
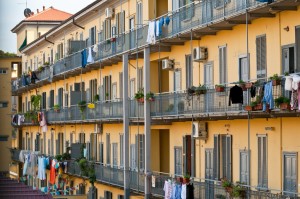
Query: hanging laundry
{"type": "Point", "coordinates": [183, 191]}
{"type": "Point", "coordinates": [151, 33]}
{"type": "Point", "coordinates": [90, 58]}
{"type": "Point", "coordinates": [43, 122]}
{"type": "Point", "coordinates": [235, 95]}
{"type": "Point", "coordinates": [52, 171]}
{"type": "Point", "coordinates": [190, 191]}
{"type": "Point", "coordinates": [41, 168]}
{"type": "Point", "coordinates": [268, 96]}
{"type": "Point", "coordinates": [294, 99]}
{"type": "Point", "coordinates": [83, 58]}
{"type": "Point", "coordinates": [253, 91]}
{"type": "Point", "coordinates": [51, 70]}
{"type": "Point", "coordinates": [33, 77]}
{"type": "Point", "coordinates": [288, 83]}
{"type": "Point", "coordinates": [176, 191]}
{"type": "Point", "coordinates": [296, 80]}
{"type": "Point", "coordinates": [24, 80]}
{"type": "Point", "coordinates": [25, 167]}
{"type": "Point", "coordinates": [168, 189]}
{"type": "Point", "coordinates": [167, 20]}
{"type": "Point", "coordinates": [95, 49]}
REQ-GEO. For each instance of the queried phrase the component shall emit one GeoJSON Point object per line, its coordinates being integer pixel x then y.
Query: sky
{"type": "Point", "coordinates": [12, 12]}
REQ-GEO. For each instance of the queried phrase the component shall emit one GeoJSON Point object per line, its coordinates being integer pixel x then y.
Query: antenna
{"type": "Point", "coordinates": [27, 12]}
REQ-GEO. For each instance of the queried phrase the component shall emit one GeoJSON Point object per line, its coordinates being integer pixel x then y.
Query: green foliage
{"type": "Point", "coordinates": [87, 169]}
{"type": "Point", "coordinates": [253, 103]}
{"type": "Point", "coordinates": [82, 106]}
{"type": "Point", "coordinates": [220, 85]}
{"type": "Point", "coordinates": [281, 100]}
{"type": "Point", "coordinates": [226, 183]}
{"type": "Point", "coordinates": [96, 98]}
{"type": "Point", "coordinates": [201, 89]}
{"type": "Point", "coordinates": [31, 115]}
{"type": "Point", "coordinates": [56, 107]}
{"type": "Point", "coordinates": [36, 101]}
{"type": "Point", "coordinates": [139, 94]}
{"type": "Point", "coordinates": [66, 156]}
{"type": "Point", "coordinates": [275, 77]}
{"type": "Point", "coordinates": [58, 157]}
{"type": "Point", "coordinates": [6, 54]}
{"type": "Point", "coordinates": [150, 96]}
{"type": "Point", "coordinates": [238, 191]}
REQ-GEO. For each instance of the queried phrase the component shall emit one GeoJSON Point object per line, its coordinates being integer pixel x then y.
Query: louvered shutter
{"type": "Point", "coordinates": [108, 154]}
{"type": "Point", "coordinates": [216, 156]}
{"type": "Point", "coordinates": [297, 43]}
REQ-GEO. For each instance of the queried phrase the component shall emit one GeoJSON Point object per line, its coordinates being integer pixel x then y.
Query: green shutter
{"type": "Point", "coordinates": [23, 44]}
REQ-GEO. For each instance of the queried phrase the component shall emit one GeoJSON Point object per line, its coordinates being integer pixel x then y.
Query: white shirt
{"type": "Point", "coordinates": [183, 191]}
{"type": "Point", "coordinates": [168, 190]}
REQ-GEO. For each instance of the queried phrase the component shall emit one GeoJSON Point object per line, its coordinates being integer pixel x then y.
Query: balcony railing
{"type": "Point", "coordinates": [184, 19]}
{"type": "Point", "coordinates": [203, 188]}
{"type": "Point", "coordinates": [167, 105]}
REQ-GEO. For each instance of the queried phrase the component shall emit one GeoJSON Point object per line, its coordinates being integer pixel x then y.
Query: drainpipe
{"type": "Point", "coordinates": [77, 24]}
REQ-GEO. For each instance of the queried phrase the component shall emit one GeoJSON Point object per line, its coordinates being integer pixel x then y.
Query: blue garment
{"type": "Point", "coordinates": [83, 58]}
{"type": "Point", "coordinates": [178, 191]}
{"type": "Point", "coordinates": [167, 20]}
{"type": "Point", "coordinates": [162, 21]}
{"type": "Point", "coordinates": [268, 96]}
{"type": "Point", "coordinates": [24, 80]}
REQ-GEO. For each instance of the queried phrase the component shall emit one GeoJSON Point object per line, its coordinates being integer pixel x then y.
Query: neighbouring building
{"type": "Point", "coordinates": [8, 105]}
{"type": "Point", "coordinates": [130, 86]}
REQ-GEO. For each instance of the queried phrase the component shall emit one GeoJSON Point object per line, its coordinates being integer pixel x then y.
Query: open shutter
{"type": "Point", "coordinates": [57, 147]}
{"type": "Point", "coordinates": [229, 157]}
{"type": "Point", "coordinates": [184, 155]}
{"type": "Point", "coordinates": [121, 150]}
{"type": "Point", "coordinates": [216, 156]}
{"type": "Point", "coordinates": [108, 149]}
{"type": "Point", "coordinates": [136, 163]}
{"type": "Point", "coordinates": [101, 152]}
{"type": "Point", "coordinates": [297, 42]}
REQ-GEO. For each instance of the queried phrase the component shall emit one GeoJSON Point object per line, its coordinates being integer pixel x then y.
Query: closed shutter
{"type": "Point", "coordinates": [140, 78]}
{"type": "Point", "coordinates": [51, 98]}
{"type": "Point", "coordinates": [121, 150]}
{"type": "Point", "coordinates": [178, 160]}
{"type": "Point", "coordinates": [177, 80]}
{"type": "Point", "coordinates": [88, 151]}
{"type": "Point", "coordinates": [60, 96]}
{"type": "Point", "coordinates": [87, 95]}
{"type": "Point", "coordinates": [120, 22]}
{"type": "Point", "coordinates": [23, 143]}
{"type": "Point", "coordinates": [132, 157]}
{"type": "Point", "coordinates": [57, 147]}
{"type": "Point", "coordinates": [139, 14]}
{"type": "Point", "coordinates": [226, 150]}
{"type": "Point", "coordinates": [121, 85]}
{"type": "Point", "coordinates": [223, 64]}
{"type": "Point", "coordinates": [101, 152]}
{"type": "Point", "coordinates": [107, 195]}
{"type": "Point", "coordinates": [184, 155]}
{"type": "Point", "coordinates": [261, 56]}
{"type": "Point", "coordinates": [189, 71]}
{"type": "Point", "coordinates": [108, 149]}
{"type": "Point", "coordinates": [262, 161]}
{"type": "Point", "coordinates": [216, 156]}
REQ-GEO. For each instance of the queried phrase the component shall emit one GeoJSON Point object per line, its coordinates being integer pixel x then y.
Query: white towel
{"type": "Point", "coordinates": [95, 49]}
{"type": "Point", "coordinates": [151, 33]}
{"type": "Point", "coordinates": [90, 58]}
{"type": "Point", "coordinates": [157, 28]}
{"type": "Point", "coordinates": [296, 80]}
{"type": "Point", "coordinates": [288, 83]}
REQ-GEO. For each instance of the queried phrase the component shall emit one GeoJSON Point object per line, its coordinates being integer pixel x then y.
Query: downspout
{"type": "Point", "coordinates": [48, 40]}
{"type": "Point", "coordinates": [77, 24]}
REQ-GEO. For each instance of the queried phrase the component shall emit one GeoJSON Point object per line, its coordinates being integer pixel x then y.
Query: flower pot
{"type": "Point", "coordinates": [56, 110]}
{"type": "Point", "coordinates": [113, 39]}
{"type": "Point", "coordinates": [186, 180]}
{"type": "Point", "coordinates": [151, 99]}
{"type": "Point", "coordinates": [258, 107]}
{"type": "Point", "coordinates": [219, 88]}
{"type": "Point", "coordinates": [285, 106]}
{"type": "Point", "coordinates": [140, 100]}
{"type": "Point", "coordinates": [276, 82]}
{"type": "Point", "coordinates": [248, 85]}
{"type": "Point", "coordinates": [248, 108]}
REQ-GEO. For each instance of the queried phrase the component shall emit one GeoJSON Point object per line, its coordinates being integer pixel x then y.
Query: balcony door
{"type": "Point", "coordinates": [244, 74]}
{"type": "Point", "coordinates": [132, 33]}
{"type": "Point", "coordinates": [209, 173]}
{"type": "Point", "coordinates": [208, 81]}
{"type": "Point", "coordinates": [290, 174]}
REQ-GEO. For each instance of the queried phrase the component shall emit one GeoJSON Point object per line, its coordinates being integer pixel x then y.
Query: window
{"type": "Point", "coordinates": [92, 36]}
{"type": "Point", "coordinates": [115, 154]}
{"type": "Point", "coordinates": [177, 80]}
{"type": "Point", "coordinates": [189, 71]}
{"type": "Point", "coordinates": [107, 87]}
{"type": "Point", "coordinates": [3, 138]}
{"type": "Point", "coordinates": [82, 138]}
{"type": "Point", "coordinates": [178, 160]}
{"type": "Point", "coordinates": [44, 97]}
{"type": "Point", "coordinates": [140, 149]}
{"type": "Point", "coordinates": [297, 43]}
{"type": "Point", "coordinates": [121, 85]}
{"type": "Point", "coordinates": [51, 104]}
{"type": "Point", "coordinates": [60, 51]}
{"type": "Point", "coordinates": [107, 29]}
{"type": "Point", "coordinates": [101, 152]}
{"type": "Point", "coordinates": [114, 91]}
{"type": "Point", "coordinates": [3, 70]}
{"type": "Point", "coordinates": [139, 14]}
{"type": "Point", "coordinates": [120, 22]}
{"type": "Point", "coordinates": [60, 144]}
{"type": "Point", "coordinates": [132, 88]}
{"type": "Point", "coordinates": [223, 64]}
{"type": "Point", "coordinates": [222, 156]}
{"type": "Point", "coordinates": [108, 148]}
{"type": "Point", "coordinates": [121, 150]}
{"type": "Point", "coordinates": [261, 56]}
{"type": "Point", "coordinates": [93, 147]}
{"type": "Point", "coordinates": [3, 104]}
{"type": "Point", "coordinates": [262, 161]}
{"type": "Point", "coordinates": [93, 89]}
{"type": "Point", "coordinates": [60, 97]}
{"type": "Point", "coordinates": [140, 78]}
{"type": "Point", "coordinates": [132, 157]}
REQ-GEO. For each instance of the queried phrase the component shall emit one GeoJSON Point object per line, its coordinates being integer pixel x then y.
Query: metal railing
{"type": "Point", "coordinates": [173, 104]}
{"type": "Point", "coordinates": [194, 15]}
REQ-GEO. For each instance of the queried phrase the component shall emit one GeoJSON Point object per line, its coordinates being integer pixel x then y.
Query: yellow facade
{"type": "Point", "coordinates": [270, 136]}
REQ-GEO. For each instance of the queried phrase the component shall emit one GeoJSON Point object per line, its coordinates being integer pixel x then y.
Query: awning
{"type": "Point", "coordinates": [23, 44]}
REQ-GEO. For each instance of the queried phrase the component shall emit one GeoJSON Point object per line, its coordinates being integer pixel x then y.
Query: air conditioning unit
{"type": "Point", "coordinates": [109, 12]}
{"type": "Point", "coordinates": [200, 54]}
{"type": "Point", "coordinates": [199, 130]}
{"type": "Point", "coordinates": [167, 64]}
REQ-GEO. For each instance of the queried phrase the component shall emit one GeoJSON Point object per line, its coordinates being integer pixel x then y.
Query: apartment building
{"type": "Point", "coordinates": [8, 105]}
{"type": "Point", "coordinates": [112, 52]}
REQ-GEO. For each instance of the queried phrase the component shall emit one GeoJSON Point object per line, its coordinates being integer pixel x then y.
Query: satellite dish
{"type": "Point", "coordinates": [27, 12]}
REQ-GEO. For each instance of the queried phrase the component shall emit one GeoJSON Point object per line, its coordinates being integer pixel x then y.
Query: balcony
{"type": "Point", "coordinates": [175, 106]}
{"type": "Point", "coordinates": [191, 17]}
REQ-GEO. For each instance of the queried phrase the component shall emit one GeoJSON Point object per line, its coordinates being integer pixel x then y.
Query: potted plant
{"type": "Point", "coordinates": [242, 85]}
{"type": "Point", "coordinates": [219, 88]}
{"type": "Point", "coordinates": [150, 96]}
{"type": "Point", "coordinates": [201, 89]}
{"type": "Point", "coordinates": [36, 101]}
{"type": "Point", "coordinates": [40, 68]}
{"type": "Point", "coordinates": [248, 85]}
{"type": "Point", "coordinates": [56, 108]}
{"type": "Point", "coordinates": [283, 103]}
{"type": "Point", "coordinates": [46, 63]}
{"type": "Point", "coordinates": [238, 191]}
{"type": "Point", "coordinates": [276, 80]}
{"type": "Point", "coordinates": [96, 98]}
{"type": "Point", "coordinates": [82, 107]}
{"type": "Point", "coordinates": [191, 90]}
{"type": "Point", "coordinates": [139, 96]}
{"type": "Point", "coordinates": [186, 178]}
{"type": "Point", "coordinates": [227, 185]}
{"type": "Point", "coordinates": [248, 108]}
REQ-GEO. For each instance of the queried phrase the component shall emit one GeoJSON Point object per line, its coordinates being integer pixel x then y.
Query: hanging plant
{"type": "Point", "coordinates": [150, 96]}
{"type": "Point", "coordinates": [139, 96]}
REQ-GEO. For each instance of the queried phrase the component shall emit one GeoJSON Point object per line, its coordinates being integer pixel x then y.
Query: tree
{"type": "Point", "coordinates": [6, 54]}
